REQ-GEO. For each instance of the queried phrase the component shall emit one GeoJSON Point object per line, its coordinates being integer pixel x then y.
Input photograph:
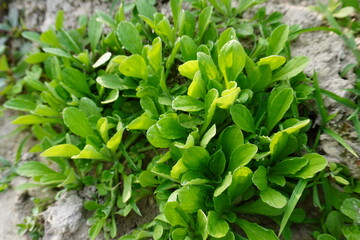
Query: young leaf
{"type": "Point", "coordinates": [62, 150]}
{"type": "Point", "coordinates": [277, 40]}
{"type": "Point", "coordinates": [134, 66]}
{"type": "Point", "coordinates": [273, 61]}
{"type": "Point", "coordinates": [273, 198]}
{"type": "Point", "coordinates": [89, 152]}
{"type": "Point", "coordinates": [189, 68]}
{"type": "Point", "coordinates": [232, 59]}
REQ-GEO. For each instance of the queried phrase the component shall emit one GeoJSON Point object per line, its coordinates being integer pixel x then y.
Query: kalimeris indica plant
{"type": "Point", "coordinates": [175, 108]}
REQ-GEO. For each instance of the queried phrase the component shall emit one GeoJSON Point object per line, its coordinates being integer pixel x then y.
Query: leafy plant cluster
{"type": "Point", "coordinates": [180, 110]}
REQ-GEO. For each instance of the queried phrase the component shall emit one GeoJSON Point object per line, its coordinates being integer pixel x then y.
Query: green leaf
{"type": "Point", "coordinates": [207, 67]}
{"type": "Point", "coordinates": [260, 178]}
{"type": "Point", "coordinates": [197, 87]}
{"type": "Point", "coordinates": [111, 97]}
{"type": "Point", "coordinates": [256, 232]}
{"type": "Point", "coordinates": [68, 42]}
{"type": "Point", "coordinates": [115, 140]}
{"type": "Point", "coordinates": [292, 68]}
{"type": "Point", "coordinates": [102, 59]}
{"type": "Point", "coordinates": [62, 150]}
{"type": "Point", "coordinates": [230, 139]}
{"type": "Point", "coordinates": [350, 207]}
{"type": "Point", "coordinates": [202, 224]}
{"type": "Point", "coordinates": [89, 152]}
{"type": "Point", "coordinates": [4, 65]}
{"type": "Point", "coordinates": [228, 96]}
{"type": "Point", "coordinates": [277, 40]}
{"type": "Point", "coordinates": [37, 58]}
{"type": "Point", "coordinates": [89, 107]}
{"type": "Point", "coordinates": [243, 118]}
{"type": "Point", "coordinates": [242, 155]}
{"type": "Point", "coordinates": [295, 196]}
{"type": "Point", "coordinates": [325, 236]}
{"type": "Point", "coordinates": [217, 226]}
{"type": "Point", "coordinates": [232, 59]}
{"type": "Point", "coordinates": [154, 55]}
{"type": "Point", "coordinates": [208, 136]}
{"type": "Point", "coordinates": [191, 198]}
{"type": "Point", "coordinates": [95, 29]}
{"type": "Point", "coordinates": [34, 119]}
{"type": "Point", "coordinates": [279, 102]}
{"type": "Point", "coordinates": [196, 158]}
{"type": "Point", "coordinates": [224, 185]}
{"type": "Point", "coordinates": [76, 80]}
{"type": "Point", "coordinates": [141, 123]}
{"type": "Point", "coordinates": [170, 128]}
{"type": "Point", "coordinates": [189, 68]}
{"type": "Point", "coordinates": [20, 104]}
{"type": "Point", "coordinates": [134, 66]}
{"type": "Point", "coordinates": [77, 122]}
{"type": "Point", "coordinates": [289, 166]}
{"type": "Point", "coordinates": [57, 52]}
{"type": "Point", "coordinates": [316, 164]}
{"type": "Point", "coordinates": [33, 169]}
{"type": "Point", "coordinates": [175, 215]}
{"type": "Point", "coordinates": [188, 48]}
{"type": "Point", "coordinates": [187, 104]}
{"type": "Point", "coordinates": [32, 36]}
{"type": "Point", "coordinates": [156, 139]}
{"type": "Point", "coordinates": [273, 198]}
{"type": "Point", "coordinates": [127, 188]}
{"type": "Point", "coordinates": [260, 208]}
{"type": "Point", "coordinates": [242, 180]}
{"type": "Point", "coordinates": [129, 37]}
{"type": "Point", "coordinates": [274, 61]}
{"type": "Point", "coordinates": [112, 81]}
{"type": "Point", "coordinates": [204, 21]}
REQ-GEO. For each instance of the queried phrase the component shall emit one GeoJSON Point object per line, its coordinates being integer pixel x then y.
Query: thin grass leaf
{"type": "Point", "coordinates": [295, 196]}
{"type": "Point", "coordinates": [319, 101]}
{"type": "Point", "coordinates": [340, 140]}
{"type": "Point", "coordinates": [344, 101]}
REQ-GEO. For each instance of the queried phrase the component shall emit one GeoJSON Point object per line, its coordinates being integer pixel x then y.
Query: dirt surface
{"type": "Point", "coordinates": [66, 219]}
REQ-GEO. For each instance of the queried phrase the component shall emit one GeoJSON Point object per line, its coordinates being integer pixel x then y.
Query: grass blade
{"type": "Point", "coordinates": [340, 140]}
{"type": "Point", "coordinates": [344, 101]}
{"type": "Point", "coordinates": [295, 196]}
{"type": "Point", "coordinates": [319, 101]}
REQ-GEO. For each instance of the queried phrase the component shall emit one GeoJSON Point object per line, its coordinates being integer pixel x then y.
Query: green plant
{"type": "Point", "coordinates": [214, 130]}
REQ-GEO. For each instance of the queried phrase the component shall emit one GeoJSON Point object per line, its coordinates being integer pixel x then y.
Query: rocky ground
{"type": "Point", "coordinates": [65, 218]}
